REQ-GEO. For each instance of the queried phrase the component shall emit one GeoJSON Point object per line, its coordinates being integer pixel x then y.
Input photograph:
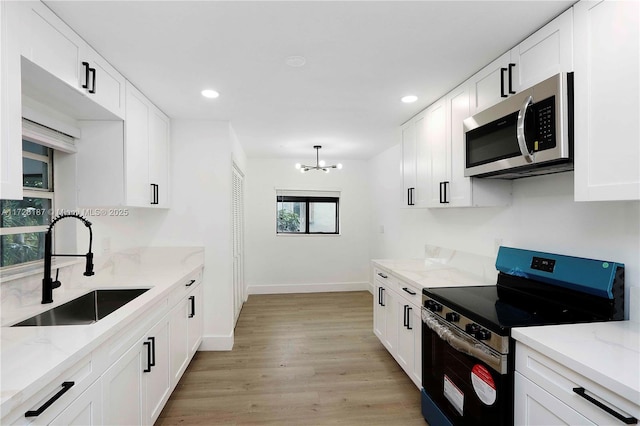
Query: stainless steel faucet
{"type": "Point", "coordinates": [49, 284]}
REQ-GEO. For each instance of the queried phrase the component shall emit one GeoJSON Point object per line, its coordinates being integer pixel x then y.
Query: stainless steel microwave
{"type": "Point", "coordinates": [530, 133]}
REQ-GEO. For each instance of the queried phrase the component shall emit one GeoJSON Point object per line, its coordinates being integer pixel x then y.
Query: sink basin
{"type": "Point", "coordinates": [85, 309]}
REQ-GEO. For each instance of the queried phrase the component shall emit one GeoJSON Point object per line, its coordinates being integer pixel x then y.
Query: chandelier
{"type": "Point", "coordinates": [320, 165]}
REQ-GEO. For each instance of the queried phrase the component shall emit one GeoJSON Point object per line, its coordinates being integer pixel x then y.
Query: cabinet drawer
{"type": "Point", "coordinates": [53, 398]}
{"type": "Point", "coordinates": [409, 292]}
{"type": "Point", "coordinates": [560, 381]}
{"type": "Point", "coordinates": [186, 286]}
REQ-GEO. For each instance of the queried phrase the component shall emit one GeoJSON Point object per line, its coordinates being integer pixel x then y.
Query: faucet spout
{"type": "Point", "coordinates": [47, 283]}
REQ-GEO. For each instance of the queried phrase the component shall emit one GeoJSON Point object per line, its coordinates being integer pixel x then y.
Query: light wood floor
{"type": "Point", "coordinates": [298, 359]}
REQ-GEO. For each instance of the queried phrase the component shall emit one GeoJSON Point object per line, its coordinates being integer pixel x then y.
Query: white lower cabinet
{"type": "Point", "coordinates": [129, 378]}
{"type": "Point", "coordinates": [86, 410]}
{"type": "Point", "coordinates": [547, 392]}
{"type": "Point", "coordinates": [397, 322]}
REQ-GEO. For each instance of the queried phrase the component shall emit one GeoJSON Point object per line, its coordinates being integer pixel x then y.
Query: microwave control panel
{"type": "Point", "coordinates": [545, 124]}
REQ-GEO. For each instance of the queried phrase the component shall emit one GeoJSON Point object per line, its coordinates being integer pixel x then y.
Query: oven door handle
{"type": "Point", "coordinates": [464, 344]}
{"type": "Point", "coordinates": [522, 142]}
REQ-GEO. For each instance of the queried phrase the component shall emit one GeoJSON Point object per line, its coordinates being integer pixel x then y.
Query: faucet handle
{"type": "Point", "coordinates": [56, 283]}
{"type": "Point", "coordinates": [88, 270]}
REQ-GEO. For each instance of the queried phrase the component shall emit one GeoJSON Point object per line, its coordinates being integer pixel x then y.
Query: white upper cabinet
{"type": "Point", "coordinates": [52, 45]}
{"type": "Point", "coordinates": [408, 140]}
{"type": "Point", "coordinates": [544, 54]}
{"type": "Point", "coordinates": [10, 102]}
{"type": "Point", "coordinates": [491, 84]}
{"type": "Point", "coordinates": [448, 187]}
{"type": "Point", "coordinates": [607, 104]}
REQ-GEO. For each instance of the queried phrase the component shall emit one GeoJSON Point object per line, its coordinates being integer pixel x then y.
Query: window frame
{"type": "Point", "coordinates": [307, 200]}
{"type": "Point", "coordinates": [31, 192]}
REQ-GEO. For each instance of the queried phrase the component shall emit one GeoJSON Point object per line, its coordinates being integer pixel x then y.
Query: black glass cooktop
{"type": "Point", "coordinates": [498, 309]}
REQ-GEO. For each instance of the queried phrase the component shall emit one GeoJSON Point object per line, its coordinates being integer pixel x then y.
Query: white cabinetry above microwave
{"type": "Point", "coordinates": [543, 54]}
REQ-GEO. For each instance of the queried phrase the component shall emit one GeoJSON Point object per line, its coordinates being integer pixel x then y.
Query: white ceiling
{"type": "Point", "coordinates": [361, 58]}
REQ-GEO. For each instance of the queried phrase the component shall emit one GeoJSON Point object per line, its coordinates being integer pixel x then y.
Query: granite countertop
{"type": "Point", "coordinates": [33, 356]}
{"type": "Point", "coordinates": [606, 352]}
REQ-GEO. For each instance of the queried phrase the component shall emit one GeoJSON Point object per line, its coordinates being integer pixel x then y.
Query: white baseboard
{"type": "Point", "coordinates": [370, 288]}
{"type": "Point", "coordinates": [307, 288]}
{"type": "Point", "coordinates": [216, 343]}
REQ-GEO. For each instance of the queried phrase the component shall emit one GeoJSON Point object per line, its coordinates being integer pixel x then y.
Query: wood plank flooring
{"type": "Point", "coordinates": [298, 359]}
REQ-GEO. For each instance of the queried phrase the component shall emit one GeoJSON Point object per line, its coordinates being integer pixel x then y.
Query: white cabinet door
{"type": "Point", "coordinates": [458, 108]}
{"type": "Point", "coordinates": [490, 85]}
{"type": "Point", "coordinates": [86, 410]}
{"type": "Point", "coordinates": [379, 315]}
{"type": "Point", "coordinates": [404, 350]}
{"type": "Point", "coordinates": [138, 189]}
{"type": "Point", "coordinates": [195, 319]}
{"type": "Point", "coordinates": [607, 100]}
{"type": "Point", "coordinates": [104, 85]}
{"type": "Point", "coordinates": [391, 320]}
{"type": "Point", "coordinates": [122, 388]}
{"type": "Point", "coordinates": [535, 406]}
{"type": "Point", "coordinates": [157, 382]}
{"type": "Point", "coordinates": [438, 151]}
{"type": "Point", "coordinates": [408, 132]}
{"type": "Point", "coordinates": [420, 195]}
{"type": "Point", "coordinates": [159, 156]}
{"type": "Point", "coordinates": [179, 347]}
{"type": "Point", "coordinates": [11, 38]}
{"type": "Point", "coordinates": [53, 45]}
{"type": "Point", "coordinates": [544, 54]}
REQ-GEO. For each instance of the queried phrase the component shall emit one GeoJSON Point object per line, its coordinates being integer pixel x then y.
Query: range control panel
{"type": "Point", "coordinates": [542, 264]}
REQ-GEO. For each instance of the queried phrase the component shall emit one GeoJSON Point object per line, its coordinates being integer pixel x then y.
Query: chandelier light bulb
{"type": "Point", "coordinates": [327, 170]}
{"type": "Point", "coordinates": [321, 163]}
{"type": "Point", "coordinates": [302, 170]}
{"type": "Point", "coordinates": [298, 165]}
{"type": "Point", "coordinates": [339, 166]}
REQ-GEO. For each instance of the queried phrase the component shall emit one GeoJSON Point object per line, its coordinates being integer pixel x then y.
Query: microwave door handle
{"type": "Point", "coordinates": [522, 142]}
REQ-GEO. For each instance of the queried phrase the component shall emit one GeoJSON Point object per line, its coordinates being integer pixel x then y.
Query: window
{"type": "Point", "coordinates": [24, 222]}
{"type": "Point", "coordinates": [301, 213]}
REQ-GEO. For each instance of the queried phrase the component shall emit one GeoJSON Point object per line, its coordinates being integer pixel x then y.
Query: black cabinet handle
{"type": "Point", "coordinates": [382, 275]}
{"type": "Point", "coordinates": [410, 197]}
{"type": "Point", "coordinates": [440, 198]}
{"type": "Point", "coordinates": [86, 75]}
{"type": "Point", "coordinates": [154, 193]}
{"type": "Point", "coordinates": [413, 293]}
{"type": "Point", "coordinates": [409, 318]}
{"type": "Point", "coordinates": [626, 420]}
{"type": "Point", "coordinates": [65, 387]}
{"type": "Point", "coordinates": [193, 306]}
{"type": "Point", "coordinates": [93, 80]}
{"type": "Point", "coordinates": [190, 283]}
{"type": "Point", "coordinates": [153, 352]}
{"type": "Point", "coordinates": [382, 296]}
{"type": "Point", "coordinates": [511, 91]}
{"type": "Point", "coordinates": [445, 200]}
{"type": "Point", "coordinates": [405, 319]}
{"type": "Point", "coordinates": [157, 194]}
{"type": "Point", "coordinates": [148, 345]}
{"type": "Point", "coordinates": [502, 94]}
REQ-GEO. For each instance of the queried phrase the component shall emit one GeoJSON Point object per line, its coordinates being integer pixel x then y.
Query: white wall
{"type": "Point", "coordinates": [277, 263]}
{"type": "Point", "coordinates": [542, 216]}
{"type": "Point", "coordinates": [200, 215]}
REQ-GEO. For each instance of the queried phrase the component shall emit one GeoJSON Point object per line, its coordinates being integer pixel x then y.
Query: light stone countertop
{"type": "Point", "coordinates": [608, 353]}
{"type": "Point", "coordinates": [33, 356]}
{"type": "Point", "coordinates": [458, 270]}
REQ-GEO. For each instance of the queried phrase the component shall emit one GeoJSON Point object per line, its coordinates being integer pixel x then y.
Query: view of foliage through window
{"type": "Point", "coordinates": [307, 215]}
{"type": "Point", "coordinates": [24, 222]}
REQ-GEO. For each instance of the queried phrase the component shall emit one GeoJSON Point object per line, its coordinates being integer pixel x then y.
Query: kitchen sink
{"type": "Point", "coordinates": [86, 309]}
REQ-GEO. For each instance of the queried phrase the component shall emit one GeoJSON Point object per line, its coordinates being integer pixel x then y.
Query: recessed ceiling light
{"type": "Point", "coordinates": [296, 61]}
{"type": "Point", "coordinates": [208, 93]}
{"type": "Point", "coordinates": [409, 99]}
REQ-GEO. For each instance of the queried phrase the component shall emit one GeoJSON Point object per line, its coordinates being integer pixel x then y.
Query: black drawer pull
{"type": "Point", "coordinates": [409, 318]}
{"type": "Point", "coordinates": [413, 293]}
{"type": "Point", "coordinates": [383, 275]}
{"type": "Point", "coordinates": [193, 306]}
{"type": "Point", "coordinates": [65, 387]}
{"type": "Point", "coordinates": [502, 94]}
{"type": "Point", "coordinates": [382, 296]}
{"type": "Point", "coordinates": [190, 283]}
{"type": "Point", "coordinates": [626, 420]}
{"type": "Point", "coordinates": [93, 80]}
{"type": "Point", "coordinates": [86, 75]}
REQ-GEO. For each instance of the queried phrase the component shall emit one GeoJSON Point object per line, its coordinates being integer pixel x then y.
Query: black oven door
{"type": "Point", "coordinates": [467, 382]}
